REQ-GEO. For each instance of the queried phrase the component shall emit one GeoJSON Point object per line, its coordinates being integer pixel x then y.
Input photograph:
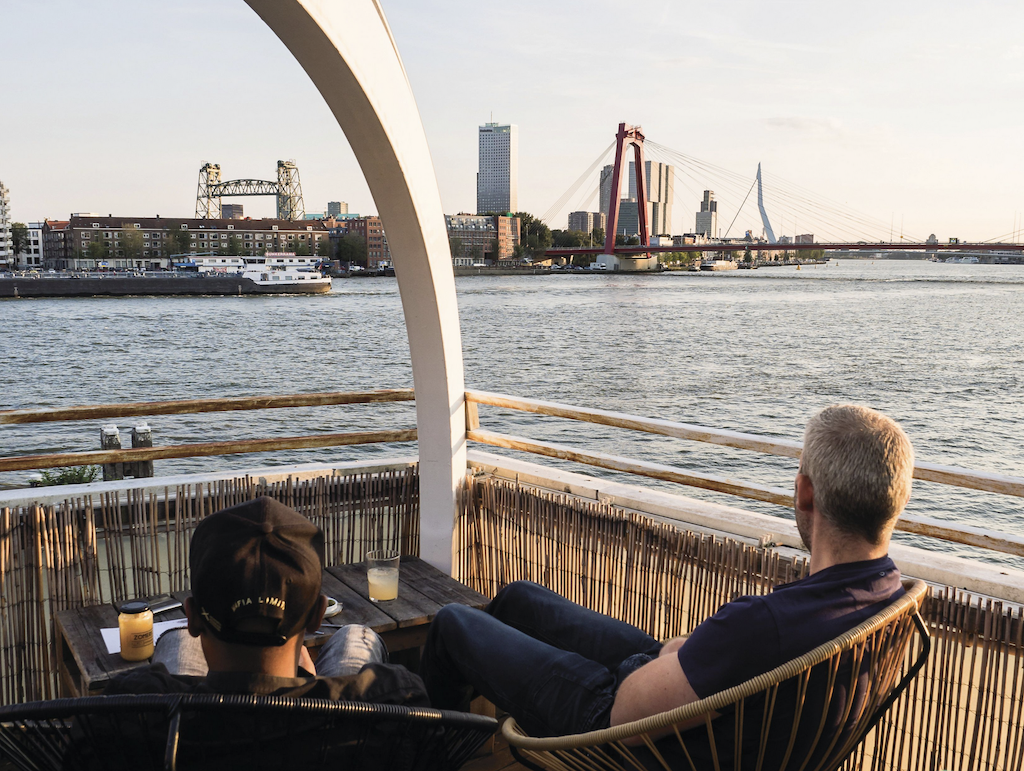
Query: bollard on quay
{"type": "Point", "coordinates": [110, 439]}
{"type": "Point", "coordinates": [142, 436]}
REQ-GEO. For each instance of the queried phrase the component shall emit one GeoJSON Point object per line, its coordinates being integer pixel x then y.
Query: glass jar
{"type": "Point", "coordinates": [136, 625]}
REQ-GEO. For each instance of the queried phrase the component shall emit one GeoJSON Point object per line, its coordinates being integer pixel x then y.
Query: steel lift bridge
{"type": "Point", "coordinates": [287, 189]}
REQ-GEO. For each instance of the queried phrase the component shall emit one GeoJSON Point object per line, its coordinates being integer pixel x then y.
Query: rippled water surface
{"type": "Point", "coordinates": [939, 347]}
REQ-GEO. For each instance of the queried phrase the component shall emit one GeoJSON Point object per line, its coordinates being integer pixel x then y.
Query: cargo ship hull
{"type": "Point", "coordinates": [125, 286]}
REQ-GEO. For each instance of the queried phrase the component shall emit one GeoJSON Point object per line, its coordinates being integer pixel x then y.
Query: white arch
{"type": "Point", "coordinates": [348, 52]}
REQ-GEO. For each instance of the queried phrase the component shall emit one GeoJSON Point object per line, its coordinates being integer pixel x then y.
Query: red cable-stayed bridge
{"type": "Point", "coordinates": [800, 203]}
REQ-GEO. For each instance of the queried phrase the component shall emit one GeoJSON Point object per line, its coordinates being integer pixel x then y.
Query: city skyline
{"type": "Point", "coordinates": [877, 110]}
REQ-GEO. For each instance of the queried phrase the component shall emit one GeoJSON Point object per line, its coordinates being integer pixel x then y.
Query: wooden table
{"type": "Point", "coordinates": [85, 667]}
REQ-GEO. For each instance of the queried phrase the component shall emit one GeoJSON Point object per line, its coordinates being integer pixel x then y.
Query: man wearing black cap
{"type": "Point", "coordinates": [256, 573]}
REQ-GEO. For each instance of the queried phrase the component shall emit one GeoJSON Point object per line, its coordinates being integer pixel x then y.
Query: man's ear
{"type": "Point", "coordinates": [316, 618]}
{"type": "Point", "coordinates": [803, 498]}
{"type": "Point", "coordinates": [195, 620]}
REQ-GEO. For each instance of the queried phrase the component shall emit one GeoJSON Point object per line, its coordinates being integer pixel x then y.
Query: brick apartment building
{"type": "Point", "coordinates": [93, 242]}
{"type": "Point", "coordinates": [482, 237]}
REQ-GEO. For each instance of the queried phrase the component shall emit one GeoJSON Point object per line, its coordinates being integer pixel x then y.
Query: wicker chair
{"type": "Point", "coordinates": [797, 716]}
{"type": "Point", "coordinates": [206, 731]}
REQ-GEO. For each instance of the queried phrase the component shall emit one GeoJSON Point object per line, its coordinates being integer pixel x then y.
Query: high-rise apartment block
{"type": "Point", "coordinates": [6, 238]}
{"type": "Point", "coordinates": [497, 181]}
{"type": "Point", "coordinates": [660, 178]}
{"type": "Point", "coordinates": [660, 189]}
{"type": "Point", "coordinates": [336, 208]}
{"type": "Point", "coordinates": [587, 221]}
{"type": "Point", "coordinates": [707, 217]}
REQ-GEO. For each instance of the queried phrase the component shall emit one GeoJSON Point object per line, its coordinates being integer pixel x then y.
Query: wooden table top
{"type": "Point", "coordinates": [86, 666]}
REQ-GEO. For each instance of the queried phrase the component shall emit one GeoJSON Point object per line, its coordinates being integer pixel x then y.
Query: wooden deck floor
{"type": "Point", "coordinates": [499, 760]}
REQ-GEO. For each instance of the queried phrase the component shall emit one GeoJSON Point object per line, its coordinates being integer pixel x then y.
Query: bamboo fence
{"type": "Point", "coordinates": [964, 712]}
{"type": "Point", "coordinates": [118, 546]}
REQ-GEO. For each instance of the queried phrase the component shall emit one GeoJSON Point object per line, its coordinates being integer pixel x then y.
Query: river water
{"type": "Point", "coordinates": [938, 347]}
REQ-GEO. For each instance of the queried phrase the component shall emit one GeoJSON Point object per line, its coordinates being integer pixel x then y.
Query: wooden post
{"type": "Point", "coordinates": [110, 439]}
{"type": "Point", "coordinates": [142, 436]}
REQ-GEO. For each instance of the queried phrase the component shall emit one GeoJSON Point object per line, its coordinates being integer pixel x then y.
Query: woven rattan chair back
{"type": "Point", "coordinates": [806, 715]}
{"type": "Point", "coordinates": [204, 731]}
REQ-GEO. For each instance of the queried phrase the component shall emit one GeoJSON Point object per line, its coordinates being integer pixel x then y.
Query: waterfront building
{"type": "Point", "coordinates": [31, 255]}
{"type": "Point", "coordinates": [477, 238]}
{"type": "Point", "coordinates": [707, 217]}
{"type": "Point", "coordinates": [497, 179]}
{"type": "Point", "coordinates": [6, 238]}
{"type": "Point", "coordinates": [55, 244]}
{"type": "Point", "coordinates": [153, 243]}
{"type": "Point", "coordinates": [587, 221]}
{"type": "Point", "coordinates": [660, 183]}
{"type": "Point", "coordinates": [336, 208]}
{"type": "Point", "coordinates": [371, 230]}
{"type": "Point", "coordinates": [232, 211]}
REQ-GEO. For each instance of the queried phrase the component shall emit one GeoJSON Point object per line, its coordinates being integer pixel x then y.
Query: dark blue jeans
{"type": "Point", "coordinates": [550, 663]}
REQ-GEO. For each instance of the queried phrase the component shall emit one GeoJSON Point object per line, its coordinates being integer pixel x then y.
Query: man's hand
{"type": "Point", "coordinates": [306, 661]}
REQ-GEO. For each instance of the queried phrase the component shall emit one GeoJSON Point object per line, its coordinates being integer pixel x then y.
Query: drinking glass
{"type": "Point", "coordinates": [382, 574]}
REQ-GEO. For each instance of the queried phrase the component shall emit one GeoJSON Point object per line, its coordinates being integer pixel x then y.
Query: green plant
{"type": "Point", "coordinates": [69, 475]}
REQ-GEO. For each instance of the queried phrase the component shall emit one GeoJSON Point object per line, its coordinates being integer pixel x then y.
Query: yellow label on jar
{"type": "Point", "coordinates": [136, 635]}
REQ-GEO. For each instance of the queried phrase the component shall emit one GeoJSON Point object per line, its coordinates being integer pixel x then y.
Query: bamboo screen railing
{"type": "Point", "coordinates": [964, 712]}
{"type": "Point", "coordinates": [115, 547]}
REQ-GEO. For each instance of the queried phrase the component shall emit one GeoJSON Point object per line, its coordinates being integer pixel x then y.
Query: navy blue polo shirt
{"type": "Point", "coordinates": [754, 634]}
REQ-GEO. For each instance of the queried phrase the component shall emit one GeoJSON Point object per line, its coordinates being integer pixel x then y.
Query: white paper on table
{"type": "Point", "coordinates": [112, 636]}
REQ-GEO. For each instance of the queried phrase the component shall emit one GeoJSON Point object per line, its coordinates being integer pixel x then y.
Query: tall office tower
{"type": "Point", "coordinates": [232, 211]}
{"type": "Point", "coordinates": [6, 239]}
{"type": "Point", "coordinates": [707, 217]}
{"type": "Point", "coordinates": [497, 181]}
{"type": "Point", "coordinates": [606, 189]}
{"type": "Point", "coordinates": [336, 208]}
{"type": "Point", "coordinates": [660, 179]}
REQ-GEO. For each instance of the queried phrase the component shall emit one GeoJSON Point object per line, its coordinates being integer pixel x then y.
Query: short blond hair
{"type": "Point", "coordinates": [860, 464]}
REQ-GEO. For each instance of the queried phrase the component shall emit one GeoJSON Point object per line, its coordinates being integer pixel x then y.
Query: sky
{"type": "Point", "coordinates": [908, 112]}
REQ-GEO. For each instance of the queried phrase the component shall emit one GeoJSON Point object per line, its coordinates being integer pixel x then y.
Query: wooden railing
{"type": "Point", "coordinates": [193, 406]}
{"type": "Point", "coordinates": [927, 526]}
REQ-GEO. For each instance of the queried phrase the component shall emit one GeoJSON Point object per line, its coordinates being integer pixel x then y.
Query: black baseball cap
{"type": "Point", "coordinates": [256, 572]}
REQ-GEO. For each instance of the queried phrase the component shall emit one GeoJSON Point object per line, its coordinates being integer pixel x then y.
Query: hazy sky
{"type": "Point", "coordinates": [905, 111]}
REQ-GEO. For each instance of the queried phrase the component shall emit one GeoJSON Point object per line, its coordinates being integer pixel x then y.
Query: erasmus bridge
{"type": "Point", "coordinates": [843, 228]}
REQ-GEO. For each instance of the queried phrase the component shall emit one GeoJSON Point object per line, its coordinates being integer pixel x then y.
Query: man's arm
{"type": "Point", "coordinates": [658, 686]}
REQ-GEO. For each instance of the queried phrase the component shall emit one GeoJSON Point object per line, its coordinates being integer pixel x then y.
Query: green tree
{"type": "Point", "coordinates": [97, 251]}
{"type": "Point", "coordinates": [598, 236]}
{"type": "Point", "coordinates": [352, 249]}
{"type": "Point", "coordinates": [457, 246]}
{"type": "Point", "coordinates": [476, 252]}
{"type": "Point", "coordinates": [323, 248]}
{"type": "Point", "coordinates": [569, 238]}
{"type": "Point", "coordinates": [19, 235]}
{"type": "Point", "coordinates": [131, 242]}
{"type": "Point", "coordinates": [534, 235]}
{"type": "Point", "coordinates": [301, 249]}
{"type": "Point", "coordinates": [181, 240]}
{"type": "Point", "coordinates": [235, 246]}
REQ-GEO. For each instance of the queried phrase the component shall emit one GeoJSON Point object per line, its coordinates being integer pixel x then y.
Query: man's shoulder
{"type": "Point", "coordinates": [377, 683]}
{"type": "Point", "coordinates": [153, 678]}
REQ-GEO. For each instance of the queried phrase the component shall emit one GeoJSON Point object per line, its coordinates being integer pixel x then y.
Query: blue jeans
{"type": "Point", "coordinates": [552, 664]}
{"type": "Point", "coordinates": [346, 652]}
